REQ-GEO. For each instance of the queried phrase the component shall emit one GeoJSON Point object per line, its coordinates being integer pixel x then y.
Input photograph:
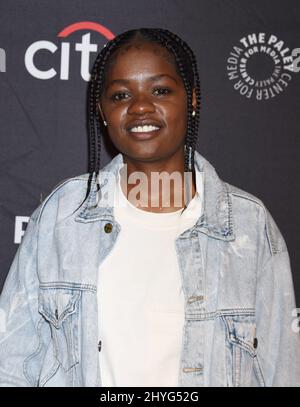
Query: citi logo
{"type": "Point", "coordinates": [85, 48]}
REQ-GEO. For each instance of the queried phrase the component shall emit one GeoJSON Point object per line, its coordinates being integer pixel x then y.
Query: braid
{"type": "Point", "coordinates": [186, 67]}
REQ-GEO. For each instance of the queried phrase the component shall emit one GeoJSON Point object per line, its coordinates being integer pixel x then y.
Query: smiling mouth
{"type": "Point", "coordinates": [144, 134]}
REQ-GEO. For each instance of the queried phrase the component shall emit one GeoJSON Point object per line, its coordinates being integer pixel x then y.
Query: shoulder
{"type": "Point", "coordinates": [63, 197]}
{"type": "Point", "coordinates": [240, 194]}
{"type": "Point", "coordinates": [68, 194]}
{"type": "Point", "coordinates": [252, 209]}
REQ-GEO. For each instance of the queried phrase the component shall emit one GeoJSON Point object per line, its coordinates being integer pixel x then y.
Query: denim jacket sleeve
{"type": "Point", "coordinates": [278, 342]}
{"type": "Point", "coordinates": [19, 311]}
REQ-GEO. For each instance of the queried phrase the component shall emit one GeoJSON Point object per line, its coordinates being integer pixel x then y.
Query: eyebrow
{"type": "Point", "coordinates": [151, 79]}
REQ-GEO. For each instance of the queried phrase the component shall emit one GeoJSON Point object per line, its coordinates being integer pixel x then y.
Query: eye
{"type": "Point", "coordinates": [118, 96]}
{"type": "Point", "coordinates": [164, 91]}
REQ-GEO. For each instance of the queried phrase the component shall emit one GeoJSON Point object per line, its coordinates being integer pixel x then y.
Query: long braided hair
{"type": "Point", "coordinates": [186, 67]}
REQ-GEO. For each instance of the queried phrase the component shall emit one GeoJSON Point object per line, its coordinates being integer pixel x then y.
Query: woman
{"type": "Point", "coordinates": [113, 285]}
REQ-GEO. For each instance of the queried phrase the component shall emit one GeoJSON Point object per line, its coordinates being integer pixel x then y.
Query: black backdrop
{"type": "Point", "coordinates": [250, 97]}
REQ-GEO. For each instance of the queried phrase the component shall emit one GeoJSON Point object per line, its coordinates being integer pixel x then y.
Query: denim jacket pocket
{"type": "Point", "coordinates": [59, 306]}
{"type": "Point", "coordinates": [241, 346]}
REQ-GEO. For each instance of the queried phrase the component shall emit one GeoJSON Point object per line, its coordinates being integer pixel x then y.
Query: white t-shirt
{"type": "Point", "coordinates": [140, 297]}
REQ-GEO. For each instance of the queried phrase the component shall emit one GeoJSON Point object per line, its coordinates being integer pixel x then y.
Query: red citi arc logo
{"type": "Point", "coordinates": [85, 48]}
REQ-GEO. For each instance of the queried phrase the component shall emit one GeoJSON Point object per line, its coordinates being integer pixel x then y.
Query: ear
{"type": "Point", "coordinates": [194, 101]}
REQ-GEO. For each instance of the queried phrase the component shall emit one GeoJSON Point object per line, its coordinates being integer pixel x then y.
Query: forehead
{"type": "Point", "coordinates": [141, 59]}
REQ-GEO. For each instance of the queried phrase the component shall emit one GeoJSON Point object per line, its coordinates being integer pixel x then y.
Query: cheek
{"type": "Point", "coordinates": [117, 118]}
{"type": "Point", "coordinates": [177, 118]}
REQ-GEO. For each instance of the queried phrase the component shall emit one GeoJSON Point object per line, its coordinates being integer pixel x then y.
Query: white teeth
{"type": "Point", "coordinates": [144, 129]}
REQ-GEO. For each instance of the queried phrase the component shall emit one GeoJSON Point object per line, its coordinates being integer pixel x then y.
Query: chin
{"type": "Point", "coordinates": [143, 156]}
{"type": "Point", "coordinates": [146, 153]}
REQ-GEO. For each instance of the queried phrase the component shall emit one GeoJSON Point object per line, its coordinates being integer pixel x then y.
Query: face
{"type": "Point", "coordinates": [142, 86]}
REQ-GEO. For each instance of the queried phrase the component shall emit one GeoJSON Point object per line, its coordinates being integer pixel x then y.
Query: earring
{"type": "Point", "coordinates": [105, 123]}
{"type": "Point", "coordinates": [194, 113]}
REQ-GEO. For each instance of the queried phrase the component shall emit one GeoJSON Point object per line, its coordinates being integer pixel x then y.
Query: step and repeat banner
{"type": "Point", "coordinates": [248, 55]}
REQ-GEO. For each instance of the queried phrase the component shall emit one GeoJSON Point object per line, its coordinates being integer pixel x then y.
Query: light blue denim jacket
{"type": "Point", "coordinates": [240, 319]}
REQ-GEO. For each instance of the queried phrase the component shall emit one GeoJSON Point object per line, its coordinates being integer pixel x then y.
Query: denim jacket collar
{"type": "Point", "coordinates": [216, 220]}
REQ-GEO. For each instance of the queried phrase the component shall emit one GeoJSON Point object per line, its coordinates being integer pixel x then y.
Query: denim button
{"type": "Point", "coordinates": [108, 227]}
{"type": "Point", "coordinates": [255, 343]}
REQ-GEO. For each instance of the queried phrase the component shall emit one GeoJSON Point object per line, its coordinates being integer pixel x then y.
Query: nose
{"type": "Point", "coordinates": [140, 105]}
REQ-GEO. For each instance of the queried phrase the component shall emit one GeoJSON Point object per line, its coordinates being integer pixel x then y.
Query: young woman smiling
{"type": "Point", "coordinates": [108, 289]}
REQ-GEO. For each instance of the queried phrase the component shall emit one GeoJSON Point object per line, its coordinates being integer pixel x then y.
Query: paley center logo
{"type": "Point", "coordinates": [63, 50]}
{"type": "Point", "coordinates": [261, 66]}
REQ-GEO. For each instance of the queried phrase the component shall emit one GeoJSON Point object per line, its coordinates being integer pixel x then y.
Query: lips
{"type": "Point", "coordinates": [143, 122]}
{"type": "Point", "coordinates": [145, 135]}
